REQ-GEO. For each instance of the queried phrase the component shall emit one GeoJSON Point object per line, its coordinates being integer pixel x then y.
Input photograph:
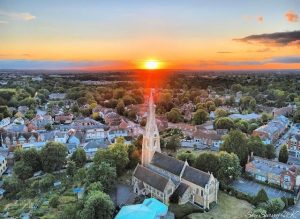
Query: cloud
{"type": "Point", "coordinates": [3, 22]}
{"type": "Point", "coordinates": [25, 16]}
{"type": "Point", "coordinates": [260, 18]}
{"type": "Point", "coordinates": [280, 59]}
{"type": "Point", "coordinates": [273, 39]}
{"type": "Point", "coordinates": [53, 65]}
{"type": "Point", "coordinates": [224, 52]}
{"type": "Point", "coordinates": [291, 16]}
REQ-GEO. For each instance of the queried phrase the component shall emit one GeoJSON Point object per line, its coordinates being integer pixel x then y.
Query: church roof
{"type": "Point", "coordinates": [151, 178]}
{"type": "Point", "coordinates": [180, 190]}
{"type": "Point", "coordinates": [195, 176]}
{"type": "Point", "coordinates": [167, 163]}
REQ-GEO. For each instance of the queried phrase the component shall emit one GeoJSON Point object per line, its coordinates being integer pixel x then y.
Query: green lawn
{"type": "Point", "coordinates": [196, 152]}
{"type": "Point", "coordinates": [227, 207]}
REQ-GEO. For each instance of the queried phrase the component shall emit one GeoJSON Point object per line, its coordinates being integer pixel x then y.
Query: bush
{"type": "Point", "coordinates": [54, 201]}
{"type": "Point", "coordinates": [261, 196]}
{"type": "Point", "coordinates": [274, 206]}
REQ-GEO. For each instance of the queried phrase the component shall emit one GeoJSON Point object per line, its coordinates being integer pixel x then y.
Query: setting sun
{"type": "Point", "coordinates": [151, 64]}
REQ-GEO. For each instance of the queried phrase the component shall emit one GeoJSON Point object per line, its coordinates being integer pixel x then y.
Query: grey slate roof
{"type": "Point", "coordinates": [195, 176]}
{"type": "Point", "coordinates": [151, 178]}
{"type": "Point", "coordinates": [180, 190]}
{"type": "Point", "coordinates": [167, 163]}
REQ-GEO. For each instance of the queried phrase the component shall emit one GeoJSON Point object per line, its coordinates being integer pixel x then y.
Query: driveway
{"type": "Point", "coordinates": [252, 188]}
{"type": "Point", "coordinates": [290, 213]}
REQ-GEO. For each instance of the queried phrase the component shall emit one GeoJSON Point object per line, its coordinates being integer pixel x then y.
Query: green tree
{"type": "Point", "coordinates": [54, 201]}
{"type": "Point", "coordinates": [49, 127]}
{"type": "Point", "coordinates": [173, 143]}
{"type": "Point", "coordinates": [120, 107]}
{"type": "Point", "coordinates": [53, 156]}
{"type": "Point", "coordinates": [104, 173]}
{"type": "Point", "coordinates": [200, 117]}
{"type": "Point", "coordinates": [275, 206]}
{"type": "Point", "coordinates": [32, 158]}
{"type": "Point", "coordinates": [174, 115]}
{"type": "Point", "coordinates": [261, 196]}
{"type": "Point", "coordinates": [22, 170]}
{"type": "Point", "coordinates": [296, 116]}
{"type": "Point", "coordinates": [207, 162]}
{"type": "Point", "coordinates": [236, 142]}
{"type": "Point", "coordinates": [270, 151]}
{"type": "Point", "coordinates": [224, 123]}
{"type": "Point", "coordinates": [186, 156]}
{"type": "Point", "coordinates": [116, 155]}
{"type": "Point", "coordinates": [71, 168]}
{"type": "Point", "coordinates": [12, 185]}
{"type": "Point", "coordinates": [283, 154]}
{"type": "Point", "coordinates": [79, 157]}
{"type": "Point", "coordinates": [98, 205]}
{"type": "Point", "coordinates": [229, 167]}
{"type": "Point", "coordinates": [264, 118]}
{"type": "Point", "coordinates": [256, 146]}
{"type": "Point", "coordinates": [221, 112]}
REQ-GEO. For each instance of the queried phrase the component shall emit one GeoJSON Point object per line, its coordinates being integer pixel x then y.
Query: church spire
{"type": "Point", "coordinates": [151, 142]}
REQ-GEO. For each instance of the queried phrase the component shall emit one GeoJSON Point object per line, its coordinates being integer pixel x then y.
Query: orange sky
{"type": "Point", "coordinates": [204, 35]}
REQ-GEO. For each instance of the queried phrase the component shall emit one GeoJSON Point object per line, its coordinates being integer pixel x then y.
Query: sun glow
{"type": "Point", "coordinates": [151, 64]}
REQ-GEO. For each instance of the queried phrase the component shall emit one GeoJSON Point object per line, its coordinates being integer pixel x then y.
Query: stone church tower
{"type": "Point", "coordinates": [151, 142]}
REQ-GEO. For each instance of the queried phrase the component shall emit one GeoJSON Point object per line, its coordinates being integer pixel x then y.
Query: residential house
{"type": "Point", "coordinates": [203, 138]}
{"type": "Point", "coordinates": [273, 130]}
{"type": "Point", "coordinates": [63, 119]}
{"type": "Point", "coordinates": [293, 144]}
{"type": "Point", "coordinates": [274, 172]}
{"type": "Point", "coordinates": [40, 121]}
{"type": "Point", "coordinates": [283, 111]}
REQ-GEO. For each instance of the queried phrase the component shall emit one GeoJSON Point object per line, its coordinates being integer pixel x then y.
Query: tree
{"type": "Point", "coordinates": [261, 196]}
{"type": "Point", "coordinates": [224, 123]}
{"type": "Point", "coordinates": [71, 168]}
{"type": "Point", "coordinates": [207, 162]}
{"type": "Point", "coordinates": [12, 185]}
{"type": "Point", "coordinates": [256, 146]}
{"type": "Point", "coordinates": [120, 107]}
{"type": "Point", "coordinates": [54, 201]}
{"type": "Point", "coordinates": [116, 155]}
{"type": "Point", "coordinates": [174, 115]}
{"type": "Point", "coordinates": [48, 127]}
{"type": "Point", "coordinates": [79, 157]}
{"type": "Point", "coordinates": [173, 143]}
{"type": "Point", "coordinates": [53, 156]}
{"type": "Point", "coordinates": [22, 170]}
{"type": "Point", "coordinates": [264, 118]}
{"type": "Point", "coordinates": [221, 112]}
{"type": "Point", "coordinates": [104, 173]}
{"type": "Point", "coordinates": [236, 142]}
{"type": "Point", "coordinates": [98, 206]}
{"type": "Point", "coordinates": [32, 158]}
{"type": "Point", "coordinates": [270, 151]}
{"type": "Point", "coordinates": [275, 206]}
{"type": "Point", "coordinates": [229, 167]}
{"type": "Point", "coordinates": [133, 156]}
{"type": "Point", "coordinates": [283, 154]}
{"type": "Point", "coordinates": [296, 116]}
{"type": "Point", "coordinates": [187, 156]}
{"type": "Point", "coordinates": [242, 125]}
{"type": "Point", "coordinates": [200, 117]}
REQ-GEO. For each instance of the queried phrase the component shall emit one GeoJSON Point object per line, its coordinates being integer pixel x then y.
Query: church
{"type": "Point", "coordinates": [161, 176]}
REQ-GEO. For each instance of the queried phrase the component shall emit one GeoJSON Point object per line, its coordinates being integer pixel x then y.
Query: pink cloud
{"type": "Point", "coordinates": [291, 16]}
